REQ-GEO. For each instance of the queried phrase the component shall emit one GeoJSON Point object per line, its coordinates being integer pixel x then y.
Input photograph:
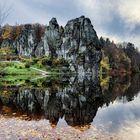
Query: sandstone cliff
{"type": "Point", "coordinates": [77, 43]}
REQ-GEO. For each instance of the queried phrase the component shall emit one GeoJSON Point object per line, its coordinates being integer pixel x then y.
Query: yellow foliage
{"type": "Point", "coordinates": [5, 94]}
{"type": "Point", "coordinates": [105, 63]}
{"type": "Point", "coordinates": [6, 51]}
{"type": "Point", "coordinates": [104, 82]}
{"type": "Point", "coordinates": [7, 34]}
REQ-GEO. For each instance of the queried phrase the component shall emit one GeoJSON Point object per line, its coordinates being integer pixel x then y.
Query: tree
{"type": "Point", "coordinates": [134, 54]}
{"type": "Point", "coordinates": [8, 32]}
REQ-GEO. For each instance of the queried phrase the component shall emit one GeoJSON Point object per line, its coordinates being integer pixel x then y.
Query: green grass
{"type": "Point", "coordinates": [14, 73]}
{"type": "Point", "coordinates": [14, 68]}
{"type": "Point", "coordinates": [22, 71]}
{"type": "Point", "coordinates": [28, 81]}
{"type": "Point", "coordinates": [10, 80]}
{"type": "Point", "coordinates": [26, 66]}
{"type": "Point", "coordinates": [52, 69]}
{"type": "Point", "coordinates": [53, 66]}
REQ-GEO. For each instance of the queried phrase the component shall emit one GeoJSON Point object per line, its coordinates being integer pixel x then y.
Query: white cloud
{"type": "Point", "coordinates": [102, 13]}
{"type": "Point", "coordinates": [127, 111]}
{"type": "Point", "coordinates": [98, 11]}
{"type": "Point", "coordinates": [130, 11]}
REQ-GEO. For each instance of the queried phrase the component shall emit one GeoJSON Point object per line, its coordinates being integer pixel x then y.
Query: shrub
{"type": "Point", "coordinates": [27, 65]}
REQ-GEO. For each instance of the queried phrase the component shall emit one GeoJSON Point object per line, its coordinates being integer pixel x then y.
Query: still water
{"type": "Point", "coordinates": [65, 107]}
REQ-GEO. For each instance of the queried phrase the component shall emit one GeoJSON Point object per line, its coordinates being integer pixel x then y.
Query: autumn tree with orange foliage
{"type": "Point", "coordinates": [39, 30]}
{"type": "Point", "coordinates": [7, 32]}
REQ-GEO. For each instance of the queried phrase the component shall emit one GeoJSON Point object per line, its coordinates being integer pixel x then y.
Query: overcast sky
{"type": "Point", "coordinates": [117, 19]}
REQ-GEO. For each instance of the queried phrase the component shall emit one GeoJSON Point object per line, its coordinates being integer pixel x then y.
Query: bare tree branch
{"type": "Point", "coordinates": [4, 13]}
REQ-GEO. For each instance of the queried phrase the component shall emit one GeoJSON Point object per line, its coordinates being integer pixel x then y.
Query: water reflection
{"type": "Point", "coordinates": [74, 99]}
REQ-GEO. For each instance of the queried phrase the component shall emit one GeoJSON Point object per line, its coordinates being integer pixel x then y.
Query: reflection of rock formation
{"type": "Point", "coordinates": [77, 103]}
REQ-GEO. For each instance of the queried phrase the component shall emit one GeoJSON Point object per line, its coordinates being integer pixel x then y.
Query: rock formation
{"type": "Point", "coordinates": [81, 45]}
{"type": "Point", "coordinates": [53, 39]}
{"type": "Point", "coordinates": [77, 43]}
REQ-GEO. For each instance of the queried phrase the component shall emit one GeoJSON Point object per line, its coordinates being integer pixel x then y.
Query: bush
{"type": "Point", "coordinates": [27, 65]}
{"type": "Point", "coordinates": [35, 60]}
{"type": "Point", "coordinates": [49, 63]}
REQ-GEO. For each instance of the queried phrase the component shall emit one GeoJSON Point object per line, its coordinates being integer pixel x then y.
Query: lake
{"type": "Point", "coordinates": [70, 107]}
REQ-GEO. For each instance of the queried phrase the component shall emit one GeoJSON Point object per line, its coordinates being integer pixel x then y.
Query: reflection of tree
{"type": "Point", "coordinates": [121, 88]}
{"type": "Point", "coordinates": [117, 87]}
{"type": "Point", "coordinates": [134, 88]}
{"type": "Point", "coordinates": [77, 103]}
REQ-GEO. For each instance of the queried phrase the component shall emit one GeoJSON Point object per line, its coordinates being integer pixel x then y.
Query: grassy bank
{"type": "Point", "coordinates": [16, 68]}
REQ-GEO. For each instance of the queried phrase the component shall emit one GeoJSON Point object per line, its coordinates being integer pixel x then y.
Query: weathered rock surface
{"type": "Point", "coordinates": [77, 43]}
{"type": "Point", "coordinates": [53, 39]}
{"type": "Point", "coordinates": [81, 45]}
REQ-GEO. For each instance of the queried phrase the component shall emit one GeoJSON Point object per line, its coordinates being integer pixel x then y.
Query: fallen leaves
{"type": "Point", "coordinates": [18, 129]}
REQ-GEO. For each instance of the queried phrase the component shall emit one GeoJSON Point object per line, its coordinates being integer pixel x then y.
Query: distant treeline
{"type": "Point", "coordinates": [121, 57]}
